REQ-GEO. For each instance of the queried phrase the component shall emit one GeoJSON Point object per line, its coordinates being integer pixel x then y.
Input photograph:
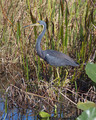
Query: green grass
{"type": "Point", "coordinates": [69, 30]}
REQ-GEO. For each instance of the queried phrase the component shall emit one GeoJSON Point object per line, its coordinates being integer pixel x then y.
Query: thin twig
{"type": "Point", "coordinates": [68, 98]}
{"type": "Point", "coordinates": [31, 94]}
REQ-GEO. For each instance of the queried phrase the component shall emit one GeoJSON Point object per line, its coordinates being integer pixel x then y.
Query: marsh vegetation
{"type": "Point", "coordinates": [31, 83]}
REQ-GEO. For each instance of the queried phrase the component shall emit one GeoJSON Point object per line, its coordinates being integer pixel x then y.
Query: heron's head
{"type": "Point", "coordinates": [36, 24]}
{"type": "Point", "coordinates": [42, 22]}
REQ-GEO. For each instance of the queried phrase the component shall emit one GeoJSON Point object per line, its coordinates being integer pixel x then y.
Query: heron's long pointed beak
{"type": "Point", "coordinates": [37, 24]}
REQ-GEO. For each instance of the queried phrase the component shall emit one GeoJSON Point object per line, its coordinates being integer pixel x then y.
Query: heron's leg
{"type": "Point", "coordinates": [57, 69]}
{"type": "Point", "coordinates": [58, 76]}
{"type": "Point", "coordinates": [66, 81]}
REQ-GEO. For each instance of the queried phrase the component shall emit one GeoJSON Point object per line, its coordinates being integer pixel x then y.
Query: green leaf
{"type": "Point", "coordinates": [43, 114]}
{"type": "Point", "coordinates": [89, 114]}
{"type": "Point", "coordinates": [85, 105]}
{"type": "Point", "coordinates": [91, 71]}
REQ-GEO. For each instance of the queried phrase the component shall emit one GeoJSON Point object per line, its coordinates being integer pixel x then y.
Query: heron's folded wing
{"type": "Point", "coordinates": [56, 58]}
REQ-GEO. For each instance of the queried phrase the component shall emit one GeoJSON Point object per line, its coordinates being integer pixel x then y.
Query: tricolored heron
{"type": "Point", "coordinates": [52, 57]}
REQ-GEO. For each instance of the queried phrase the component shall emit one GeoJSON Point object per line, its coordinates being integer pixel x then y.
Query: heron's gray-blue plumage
{"type": "Point", "coordinates": [38, 47]}
{"type": "Point", "coordinates": [52, 57]}
{"type": "Point", "coordinates": [56, 58]}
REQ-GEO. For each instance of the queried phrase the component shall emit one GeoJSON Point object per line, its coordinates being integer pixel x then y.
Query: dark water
{"type": "Point", "coordinates": [15, 113]}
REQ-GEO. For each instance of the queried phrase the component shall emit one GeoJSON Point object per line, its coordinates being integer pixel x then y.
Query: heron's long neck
{"type": "Point", "coordinates": [38, 48]}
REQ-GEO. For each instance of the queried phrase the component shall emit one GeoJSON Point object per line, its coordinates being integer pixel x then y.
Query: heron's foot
{"type": "Point", "coordinates": [53, 81]}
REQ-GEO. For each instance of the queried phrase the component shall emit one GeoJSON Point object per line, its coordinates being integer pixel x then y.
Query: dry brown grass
{"type": "Point", "coordinates": [15, 51]}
